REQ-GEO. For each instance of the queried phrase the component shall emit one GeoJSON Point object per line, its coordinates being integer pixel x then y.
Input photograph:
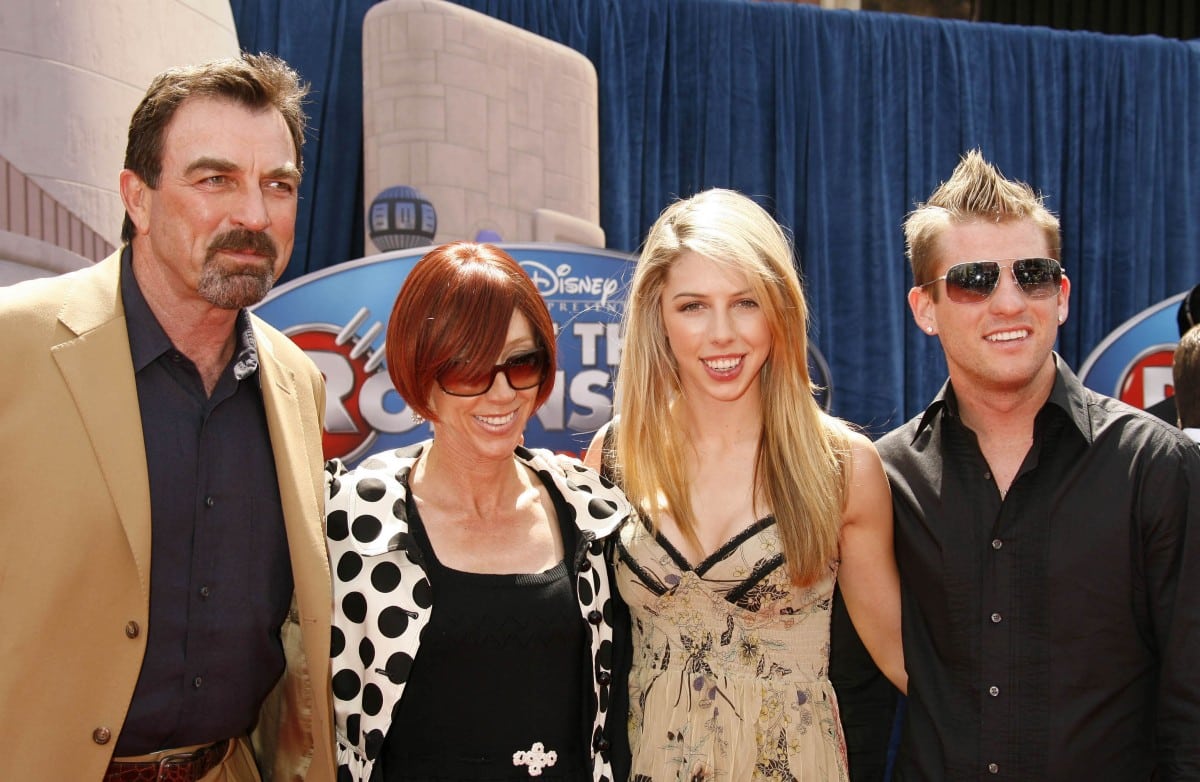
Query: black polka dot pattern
{"type": "Point", "coordinates": [383, 599]}
{"type": "Point", "coordinates": [345, 684]}
{"type": "Point", "coordinates": [372, 700]}
{"type": "Point", "coordinates": [385, 576]}
{"type": "Point", "coordinates": [365, 528]}
{"type": "Point", "coordinates": [349, 566]}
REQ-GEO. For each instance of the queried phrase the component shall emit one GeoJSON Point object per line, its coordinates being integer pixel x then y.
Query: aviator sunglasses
{"type": "Point", "coordinates": [524, 370]}
{"type": "Point", "coordinates": [976, 281]}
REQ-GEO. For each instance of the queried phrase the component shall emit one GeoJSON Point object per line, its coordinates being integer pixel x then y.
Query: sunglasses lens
{"type": "Point", "coordinates": [971, 282]}
{"type": "Point", "coordinates": [453, 382]}
{"type": "Point", "coordinates": [526, 371]}
{"type": "Point", "coordinates": [1040, 278]}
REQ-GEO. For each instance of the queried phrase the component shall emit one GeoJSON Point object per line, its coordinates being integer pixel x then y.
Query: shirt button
{"type": "Point", "coordinates": [997, 543]}
{"type": "Point", "coordinates": [996, 618]}
{"type": "Point", "coordinates": [993, 691]}
{"type": "Point", "coordinates": [595, 617]}
{"type": "Point", "coordinates": [101, 735]}
{"type": "Point", "coordinates": [585, 565]}
{"type": "Point", "coordinates": [197, 682]}
{"type": "Point", "coordinates": [993, 768]}
{"type": "Point", "coordinates": [604, 677]}
{"type": "Point", "coordinates": [209, 501]}
{"type": "Point", "coordinates": [204, 592]}
{"type": "Point", "coordinates": [987, 476]}
{"type": "Point", "coordinates": [132, 630]}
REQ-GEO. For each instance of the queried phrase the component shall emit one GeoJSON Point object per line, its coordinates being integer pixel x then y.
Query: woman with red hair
{"type": "Point", "coordinates": [474, 612]}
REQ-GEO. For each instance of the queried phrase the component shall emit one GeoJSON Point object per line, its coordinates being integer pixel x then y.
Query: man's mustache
{"type": "Point", "coordinates": [241, 240]}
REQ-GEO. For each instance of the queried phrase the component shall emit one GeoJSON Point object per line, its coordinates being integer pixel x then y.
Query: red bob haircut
{"type": "Point", "coordinates": [455, 307]}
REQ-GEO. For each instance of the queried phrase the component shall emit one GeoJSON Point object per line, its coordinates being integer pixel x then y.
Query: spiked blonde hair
{"type": "Point", "coordinates": [976, 190]}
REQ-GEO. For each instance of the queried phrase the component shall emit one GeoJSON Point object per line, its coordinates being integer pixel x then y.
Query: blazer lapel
{"type": "Point", "coordinates": [297, 490]}
{"type": "Point", "coordinates": [305, 736]}
{"type": "Point", "coordinates": [97, 368]}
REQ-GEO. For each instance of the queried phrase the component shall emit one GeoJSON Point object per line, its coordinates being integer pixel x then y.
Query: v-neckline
{"type": "Point", "coordinates": [718, 554]}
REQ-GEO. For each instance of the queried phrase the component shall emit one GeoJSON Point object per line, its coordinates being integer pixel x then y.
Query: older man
{"type": "Point", "coordinates": [163, 583]}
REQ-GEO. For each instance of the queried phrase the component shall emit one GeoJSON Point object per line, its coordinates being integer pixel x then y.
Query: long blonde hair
{"type": "Point", "coordinates": [802, 452]}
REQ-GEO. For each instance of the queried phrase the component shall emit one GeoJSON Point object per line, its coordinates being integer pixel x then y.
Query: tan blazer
{"type": "Point", "coordinates": [75, 536]}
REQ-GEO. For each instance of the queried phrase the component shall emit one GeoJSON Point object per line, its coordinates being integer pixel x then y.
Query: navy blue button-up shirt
{"type": "Point", "coordinates": [220, 576]}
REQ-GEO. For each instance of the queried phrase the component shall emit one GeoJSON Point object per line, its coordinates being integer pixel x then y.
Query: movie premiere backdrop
{"type": "Point", "coordinates": [1133, 363]}
{"type": "Point", "coordinates": [339, 317]}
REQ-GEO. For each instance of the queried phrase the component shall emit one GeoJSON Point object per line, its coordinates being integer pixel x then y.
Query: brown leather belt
{"type": "Point", "coordinates": [178, 767]}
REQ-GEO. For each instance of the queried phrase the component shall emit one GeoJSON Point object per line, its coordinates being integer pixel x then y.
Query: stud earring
{"type": "Point", "coordinates": [929, 329]}
{"type": "Point", "coordinates": [417, 418]}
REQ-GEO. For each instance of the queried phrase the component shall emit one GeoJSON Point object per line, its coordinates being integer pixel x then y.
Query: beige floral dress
{"type": "Point", "coordinates": [730, 663]}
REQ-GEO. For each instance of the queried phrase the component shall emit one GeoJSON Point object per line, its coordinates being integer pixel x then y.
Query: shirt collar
{"type": "Point", "coordinates": [1067, 394]}
{"type": "Point", "coordinates": [148, 341]}
{"type": "Point", "coordinates": [1071, 397]}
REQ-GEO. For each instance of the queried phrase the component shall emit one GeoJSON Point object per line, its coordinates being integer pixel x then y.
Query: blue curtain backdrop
{"type": "Point", "coordinates": [839, 123]}
{"type": "Point", "coordinates": [322, 39]}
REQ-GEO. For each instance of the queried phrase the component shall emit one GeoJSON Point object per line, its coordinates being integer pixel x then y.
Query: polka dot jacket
{"type": "Point", "coordinates": [382, 598]}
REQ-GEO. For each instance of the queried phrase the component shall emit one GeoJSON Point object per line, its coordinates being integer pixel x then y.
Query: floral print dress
{"type": "Point", "coordinates": [730, 663]}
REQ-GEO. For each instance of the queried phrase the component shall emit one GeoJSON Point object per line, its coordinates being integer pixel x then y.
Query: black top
{"type": "Point", "coordinates": [867, 702]}
{"type": "Point", "coordinates": [501, 668]}
{"type": "Point", "coordinates": [220, 578]}
{"type": "Point", "coordinates": [1053, 634]}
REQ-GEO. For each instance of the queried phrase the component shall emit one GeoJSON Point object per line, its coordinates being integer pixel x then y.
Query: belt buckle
{"type": "Point", "coordinates": [181, 760]}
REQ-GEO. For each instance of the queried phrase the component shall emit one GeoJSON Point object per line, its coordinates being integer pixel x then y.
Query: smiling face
{"type": "Point", "coordinates": [1001, 345]}
{"type": "Point", "coordinates": [489, 426]}
{"type": "Point", "coordinates": [717, 330]}
{"type": "Point", "coordinates": [220, 225]}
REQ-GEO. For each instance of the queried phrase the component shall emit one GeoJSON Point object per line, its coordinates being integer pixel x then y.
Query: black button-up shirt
{"type": "Point", "coordinates": [1053, 634]}
{"type": "Point", "coordinates": [220, 577]}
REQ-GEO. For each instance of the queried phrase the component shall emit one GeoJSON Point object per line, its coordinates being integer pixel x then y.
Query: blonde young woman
{"type": "Point", "coordinates": [752, 503]}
